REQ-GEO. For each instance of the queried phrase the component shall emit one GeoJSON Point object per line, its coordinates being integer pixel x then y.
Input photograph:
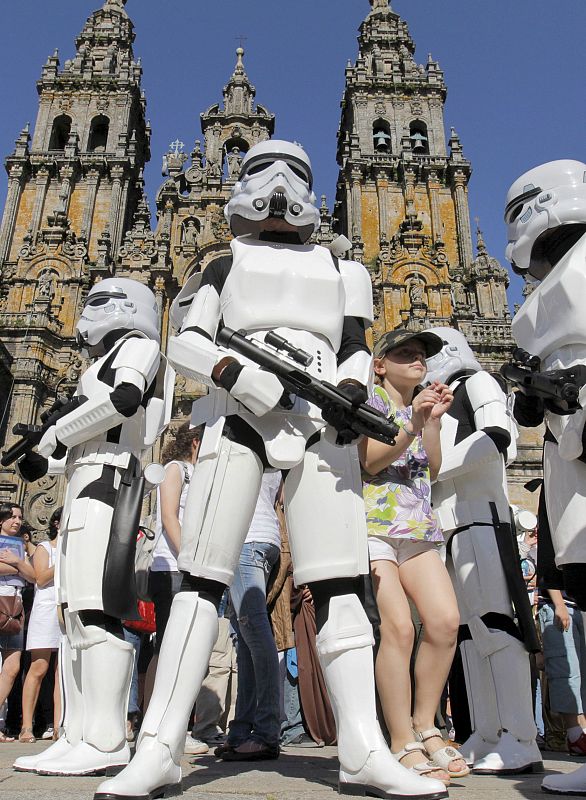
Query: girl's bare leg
{"type": "Point", "coordinates": [426, 581]}
{"type": "Point", "coordinates": [32, 684]}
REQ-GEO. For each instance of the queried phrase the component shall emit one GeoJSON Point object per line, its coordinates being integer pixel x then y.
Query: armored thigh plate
{"type": "Point", "coordinates": [325, 514]}
{"type": "Point", "coordinates": [85, 532]}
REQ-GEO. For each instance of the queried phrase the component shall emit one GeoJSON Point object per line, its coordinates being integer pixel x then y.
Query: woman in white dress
{"type": "Point", "coordinates": [44, 633]}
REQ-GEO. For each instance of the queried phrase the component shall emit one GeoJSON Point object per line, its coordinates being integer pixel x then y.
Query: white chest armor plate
{"type": "Point", "coordinates": [551, 323]}
{"type": "Point", "coordinates": [137, 432]}
{"type": "Point", "coordinates": [273, 286]}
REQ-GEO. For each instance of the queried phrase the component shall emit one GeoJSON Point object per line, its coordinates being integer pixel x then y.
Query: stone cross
{"type": "Point", "coordinates": [176, 147]}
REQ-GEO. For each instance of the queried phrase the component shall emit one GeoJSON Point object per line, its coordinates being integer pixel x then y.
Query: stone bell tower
{"type": "Point", "coordinates": [191, 228]}
{"type": "Point", "coordinates": [74, 187]}
{"type": "Point", "coordinates": [402, 194]}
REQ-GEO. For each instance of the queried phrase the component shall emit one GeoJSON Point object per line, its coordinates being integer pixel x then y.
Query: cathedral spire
{"type": "Point", "coordinates": [239, 92]}
{"type": "Point", "coordinates": [381, 5]}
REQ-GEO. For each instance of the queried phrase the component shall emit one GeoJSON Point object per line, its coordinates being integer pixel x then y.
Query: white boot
{"type": "Point", "coordinates": [482, 705]}
{"type": "Point", "coordinates": [72, 711]}
{"type": "Point", "coordinates": [367, 766]}
{"type": "Point", "coordinates": [570, 783]}
{"type": "Point", "coordinates": [475, 748]}
{"type": "Point", "coordinates": [183, 664]}
{"type": "Point", "coordinates": [517, 750]}
{"type": "Point", "coordinates": [105, 679]}
{"type": "Point", "coordinates": [511, 756]}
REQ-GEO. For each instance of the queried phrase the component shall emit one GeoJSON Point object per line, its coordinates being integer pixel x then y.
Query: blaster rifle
{"type": "Point", "coordinates": [31, 435]}
{"type": "Point", "coordinates": [559, 388]}
{"type": "Point", "coordinates": [362, 419]}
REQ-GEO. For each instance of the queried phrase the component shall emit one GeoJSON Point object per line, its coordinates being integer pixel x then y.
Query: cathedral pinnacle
{"type": "Point", "coordinates": [480, 245]}
{"type": "Point", "coordinates": [380, 5]}
{"type": "Point", "coordinates": [109, 5]}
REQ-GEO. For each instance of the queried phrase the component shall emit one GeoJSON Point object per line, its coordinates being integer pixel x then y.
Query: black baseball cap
{"type": "Point", "coordinates": [432, 343]}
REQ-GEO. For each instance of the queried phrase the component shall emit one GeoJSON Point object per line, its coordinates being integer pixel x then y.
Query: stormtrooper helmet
{"type": "Point", "coordinates": [116, 305]}
{"type": "Point", "coordinates": [275, 181]}
{"type": "Point", "coordinates": [545, 215]}
{"type": "Point", "coordinates": [454, 359]}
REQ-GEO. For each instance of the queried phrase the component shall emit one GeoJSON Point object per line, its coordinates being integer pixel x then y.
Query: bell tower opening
{"type": "Point", "coordinates": [98, 138]}
{"type": "Point", "coordinates": [381, 136]}
{"type": "Point", "coordinates": [419, 138]}
{"type": "Point", "coordinates": [60, 132]}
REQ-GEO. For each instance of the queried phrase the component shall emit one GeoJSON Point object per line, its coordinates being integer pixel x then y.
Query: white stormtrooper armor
{"type": "Point", "coordinates": [322, 305]}
{"type": "Point", "coordinates": [275, 179]}
{"type": "Point", "coordinates": [551, 325]}
{"type": "Point", "coordinates": [471, 503]}
{"type": "Point", "coordinates": [546, 235]}
{"type": "Point", "coordinates": [121, 405]}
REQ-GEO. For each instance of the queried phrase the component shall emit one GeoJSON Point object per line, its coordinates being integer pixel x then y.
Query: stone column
{"type": "Point", "coordinates": [382, 188]}
{"type": "Point", "coordinates": [462, 220]}
{"type": "Point", "coordinates": [356, 193]}
{"type": "Point", "coordinates": [42, 184]}
{"type": "Point", "coordinates": [433, 186]}
{"type": "Point", "coordinates": [15, 184]}
{"type": "Point", "coordinates": [159, 295]}
{"type": "Point", "coordinates": [115, 203]}
{"type": "Point", "coordinates": [92, 181]}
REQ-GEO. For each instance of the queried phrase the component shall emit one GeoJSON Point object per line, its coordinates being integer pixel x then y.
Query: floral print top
{"type": "Point", "coordinates": [397, 500]}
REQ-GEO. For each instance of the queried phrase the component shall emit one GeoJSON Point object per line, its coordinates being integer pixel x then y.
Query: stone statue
{"type": "Point", "coordinates": [417, 292]}
{"type": "Point", "coordinates": [234, 162]}
{"type": "Point", "coordinates": [45, 288]}
{"type": "Point", "coordinates": [189, 233]}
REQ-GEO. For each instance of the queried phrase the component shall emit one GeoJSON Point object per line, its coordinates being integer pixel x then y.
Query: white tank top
{"type": "Point", "coordinates": [163, 558]}
{"type": "Point", "coordinates": [265, 525]}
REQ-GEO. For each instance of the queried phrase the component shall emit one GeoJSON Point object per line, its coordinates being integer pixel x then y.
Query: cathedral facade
{"type": "Point", "coordinates": [76, 212]}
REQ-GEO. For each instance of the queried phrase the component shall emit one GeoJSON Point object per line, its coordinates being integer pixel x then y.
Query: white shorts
{"type": "Point", "coordinates": [390, 548]}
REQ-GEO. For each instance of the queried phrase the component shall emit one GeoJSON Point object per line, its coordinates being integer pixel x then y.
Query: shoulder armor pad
{"type": "Point", "coordinates": [358, 291]}
{"type": "Point", "coordinates": [483, 389]}
{"type": "Point", "coordinates": [140, 354]}
{"type": "Point", "coordinates": [182, 303]}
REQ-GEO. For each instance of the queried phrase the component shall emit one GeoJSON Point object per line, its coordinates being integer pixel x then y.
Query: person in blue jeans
{"type": "Point", "coordinates": [564, 652]}
{"type": "Point", "coordinates": [255, 730]}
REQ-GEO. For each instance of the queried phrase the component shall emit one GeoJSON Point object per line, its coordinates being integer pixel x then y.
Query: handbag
{"type": "Point", "coordinates": [147, 622]}
{"type": "Point", "coordinates": [11, 614]}
{"type": "Point", "coordinates": [143, 559]}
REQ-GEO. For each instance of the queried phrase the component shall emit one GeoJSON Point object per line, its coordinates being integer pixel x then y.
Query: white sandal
{"type": "Point", "coordinates": [426, 767]}
{"type": "Point", "coordinates": [443, 757]}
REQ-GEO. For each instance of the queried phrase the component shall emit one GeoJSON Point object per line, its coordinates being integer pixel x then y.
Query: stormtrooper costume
{"type": "Point", "coordinates": [273, 281]}
{"type": "Point", "coordinates": [546, 222]}
{"type": "Point", "coordinates": [121, 405]}
{"type": "Point", "coordinates": [470, 499]}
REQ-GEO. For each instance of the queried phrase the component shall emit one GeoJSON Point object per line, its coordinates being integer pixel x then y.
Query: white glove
{"type": "Point", "coordinates": [48, 443]}
{"type": "Point", "coordinates": [258, 390]}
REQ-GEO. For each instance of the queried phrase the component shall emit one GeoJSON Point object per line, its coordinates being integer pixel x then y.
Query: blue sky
{"type": "Point", "coordinates": [515, 72]}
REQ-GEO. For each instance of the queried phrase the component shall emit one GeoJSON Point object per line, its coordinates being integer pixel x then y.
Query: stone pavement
{"type": "Point", "coordinates": [298, 774]}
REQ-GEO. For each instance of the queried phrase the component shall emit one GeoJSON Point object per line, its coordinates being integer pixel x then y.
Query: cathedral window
{"type": "Point", "coordinates": [418, 137]}
{"type": "Point", "coordinates": [60, 132]}
{"type": "Point", "coordinates": [381, 136]}
{"type": "Point", "coordinates": [98, 138]}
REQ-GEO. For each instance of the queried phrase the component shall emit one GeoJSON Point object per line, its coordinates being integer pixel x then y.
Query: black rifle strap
{"type": "Point", "coordinates": [511, 562]}
{"type": "Point", "coordinates": [118, 580]}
